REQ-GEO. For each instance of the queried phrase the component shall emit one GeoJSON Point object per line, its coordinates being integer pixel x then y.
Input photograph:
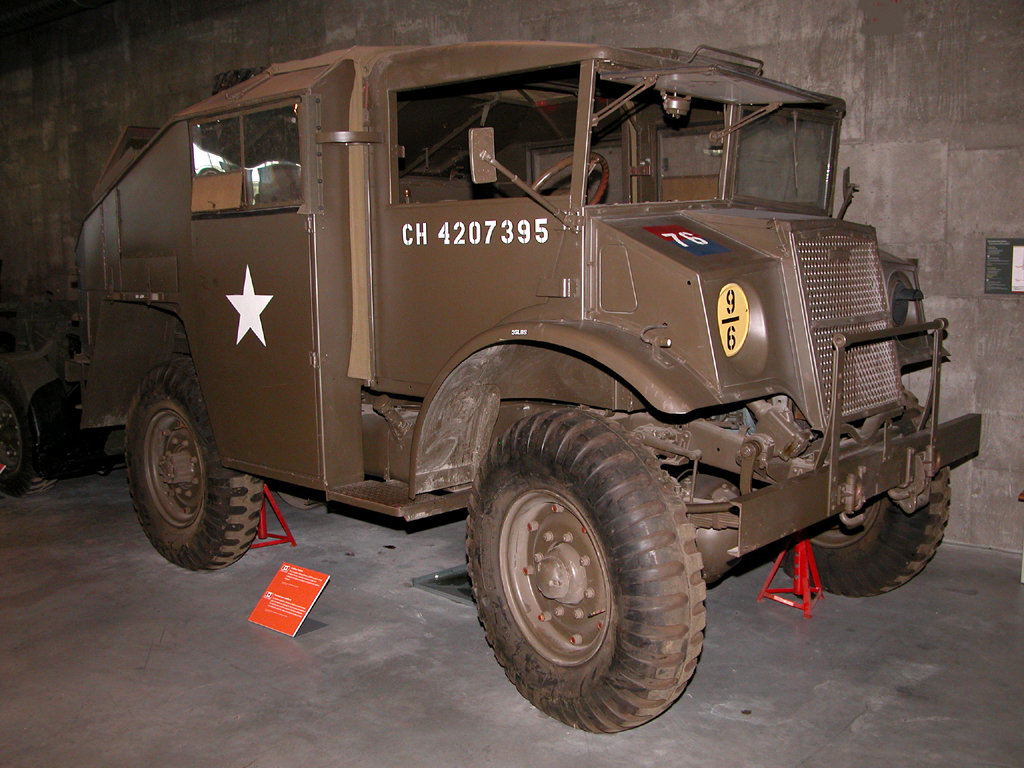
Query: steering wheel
{"type": "Point", "coordinates": [595, 161]}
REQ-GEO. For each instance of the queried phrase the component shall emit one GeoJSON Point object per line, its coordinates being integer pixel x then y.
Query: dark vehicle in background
{"type": "Point", "coordinates": [40, 435]}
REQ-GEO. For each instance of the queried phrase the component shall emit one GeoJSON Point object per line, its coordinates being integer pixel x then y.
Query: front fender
{"type": "Point", "coordinates": [664, 381]}
{"type": "Point", "coordinates": [577, 362]}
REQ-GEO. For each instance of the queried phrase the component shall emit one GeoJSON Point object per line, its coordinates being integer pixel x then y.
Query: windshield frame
{"type": "Point", "coordinates": [828, 116]}
{"type": "Point", "coordinates": [739, 88]}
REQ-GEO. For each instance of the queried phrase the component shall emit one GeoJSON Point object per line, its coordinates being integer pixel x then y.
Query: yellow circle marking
{"type": "Point", "coordinates": [733, 318]}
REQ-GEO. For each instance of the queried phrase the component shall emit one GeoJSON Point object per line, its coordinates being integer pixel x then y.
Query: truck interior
{"type": "Point", "coordinates": [642, 154]}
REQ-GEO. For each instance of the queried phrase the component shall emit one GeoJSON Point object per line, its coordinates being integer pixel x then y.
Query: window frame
{"type": "Point", "coordinates": [585, 70]}
{"type": "Point", "coordinates": [734, 140]}
{"type": "Point", "coordinates": [245, 205]}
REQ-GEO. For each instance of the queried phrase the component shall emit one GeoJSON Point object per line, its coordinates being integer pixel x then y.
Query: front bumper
{"type": "Point", "coordinates": [779, 510]}
{"type": "Point", "coordinates": [843, 479]}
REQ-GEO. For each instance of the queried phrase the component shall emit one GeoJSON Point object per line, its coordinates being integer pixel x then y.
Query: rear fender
{"type": "Point", "coordinates": [130, 339]}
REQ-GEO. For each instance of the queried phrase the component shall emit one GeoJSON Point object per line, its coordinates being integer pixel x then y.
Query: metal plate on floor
{"type": "Point", "coordinates": [452, 583]}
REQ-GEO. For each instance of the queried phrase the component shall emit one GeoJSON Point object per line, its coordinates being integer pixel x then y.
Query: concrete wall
{"type": "Point", "coordinates": [934, 137]}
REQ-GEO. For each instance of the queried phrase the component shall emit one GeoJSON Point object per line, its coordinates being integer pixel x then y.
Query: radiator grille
{"type": "Point", "coordinates": [844, 292]}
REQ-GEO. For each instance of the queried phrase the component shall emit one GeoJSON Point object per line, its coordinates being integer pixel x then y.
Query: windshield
{"type": "Point", "coordinates": [786, 157]}
{"type": "Point", "coordinates": [654, 155]}
{"type": "Point", "coordinates": [675, 120]}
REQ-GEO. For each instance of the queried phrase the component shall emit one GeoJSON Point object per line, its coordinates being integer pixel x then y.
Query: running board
{"type": "Point", "coordinates": [391, 497]}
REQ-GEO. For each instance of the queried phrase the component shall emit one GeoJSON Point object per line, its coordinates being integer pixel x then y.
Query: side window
{"type": "Point", "coordinates": [533, 115]}
{"type": "Point", "coordinates": [250, 161]}
{"type": "Point", "coordinates": [271, 157]}
{"type": "Point", "coordinates": [216, 165]}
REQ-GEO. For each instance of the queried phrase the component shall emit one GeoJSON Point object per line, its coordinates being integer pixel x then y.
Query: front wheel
{"type": "Point", "coordinates": [589, 593]}
{"type": "Point", "coordinates": [887, 550]}
{"type": "Point", "coordinates": [197, 513]}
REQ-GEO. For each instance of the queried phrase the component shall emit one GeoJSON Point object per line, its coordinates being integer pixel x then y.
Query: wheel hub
{"type": "Point", "coordinates": [555, 578]}
{"type": "Point", "coordinates": [174, 468]}
{"type": "Point", "coordinates": [177, 467]}
{"type": "Point", "coordinates": [561, 576]}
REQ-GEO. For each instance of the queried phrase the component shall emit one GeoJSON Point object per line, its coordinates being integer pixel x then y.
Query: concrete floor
{"type": "Point", "coordinates": [109, 656]}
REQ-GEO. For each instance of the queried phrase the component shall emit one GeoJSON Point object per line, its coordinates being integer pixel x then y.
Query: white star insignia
{"type": "Point", "coordinates": [249, 305]}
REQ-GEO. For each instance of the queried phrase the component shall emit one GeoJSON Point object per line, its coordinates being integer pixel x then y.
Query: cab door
{"type": "Point", "coordinates": [454, 259]}
{"type": "Point", "coordinates": [246, 292]}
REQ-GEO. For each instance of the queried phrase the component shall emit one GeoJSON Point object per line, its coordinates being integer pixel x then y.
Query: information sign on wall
{"type": "Point", "coordinates": [1004, 265]}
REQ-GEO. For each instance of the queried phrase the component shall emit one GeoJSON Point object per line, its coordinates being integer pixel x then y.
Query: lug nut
{"type": "Point", "coordinates": [588, 593]}
{"type": "Point", "coordinates": [584, 561]}
{"type": "Point", "coordinates": [567, 537]}
{"type": "Point", "coordinates": [576, 639]}
{"type": "Point", "coordinates": [545, 616]}
{"type": "Point", "coordinates": [537, 557]}
{"type": "Point", "coordinates": [578, 613]}
{"type": "Point", "coordinates": [549, 536]}
{"type": "Point", "coordinates": [559, 610]}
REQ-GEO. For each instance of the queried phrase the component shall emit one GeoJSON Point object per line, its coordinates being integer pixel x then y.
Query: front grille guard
{"type": "Point", "coordinates": [929, 415]}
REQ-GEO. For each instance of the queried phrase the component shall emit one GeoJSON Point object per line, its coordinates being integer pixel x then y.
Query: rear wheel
{"type": "Point", "coordinates": [197, 513]}
{"type": "Point", "coordinates": [589, 593]}
{"type": "Point", "coordinates": [17, 442]}
{"type": "Point", "coordinates": [887, 551]}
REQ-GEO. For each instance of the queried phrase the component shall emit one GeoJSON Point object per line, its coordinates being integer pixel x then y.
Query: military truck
{"type": "Point", "coordinates": [597, 295]}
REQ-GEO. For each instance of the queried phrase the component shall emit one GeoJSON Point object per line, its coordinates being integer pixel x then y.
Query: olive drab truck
{"type": "Point", "coordinates": [596, 295]}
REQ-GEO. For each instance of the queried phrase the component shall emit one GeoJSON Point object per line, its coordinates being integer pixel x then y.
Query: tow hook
{"type": "Point", "coordinates": [850, 499]}
{"type": "Point", "coordinates": [913, 494]}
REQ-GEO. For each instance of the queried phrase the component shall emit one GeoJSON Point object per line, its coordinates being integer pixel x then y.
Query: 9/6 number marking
{"type": "Point", "coordinates": [733, 318]}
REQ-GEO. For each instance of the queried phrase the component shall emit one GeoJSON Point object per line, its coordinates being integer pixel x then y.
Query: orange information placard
{"type": "Point", "coordinates": [288, 599]}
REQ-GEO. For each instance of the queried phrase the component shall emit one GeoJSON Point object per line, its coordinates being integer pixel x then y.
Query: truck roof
{"type": "Point", "coordinates": [705, 72]}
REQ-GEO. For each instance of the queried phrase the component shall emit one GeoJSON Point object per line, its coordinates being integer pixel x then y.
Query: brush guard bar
{"type": "Point", "coordinates": [846, 475]}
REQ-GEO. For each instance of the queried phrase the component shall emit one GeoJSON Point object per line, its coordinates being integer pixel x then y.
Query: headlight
{"type": "Point", "coordinates": [901, 295]}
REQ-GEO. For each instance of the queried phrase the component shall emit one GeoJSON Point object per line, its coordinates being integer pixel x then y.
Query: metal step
{"type": "Point", "coordinates": [392, 498]}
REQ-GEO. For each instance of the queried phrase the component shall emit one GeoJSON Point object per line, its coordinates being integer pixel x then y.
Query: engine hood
{"type": "Point", "coordinates": [709, 286]}
{"type": "Point", "coordinates": [750, 299]}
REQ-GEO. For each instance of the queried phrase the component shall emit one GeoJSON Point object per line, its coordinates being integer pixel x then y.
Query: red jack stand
{"type": "Point", "coordinates": [261, 530]}
{"type": "Point", "coordinates": [806, 584]}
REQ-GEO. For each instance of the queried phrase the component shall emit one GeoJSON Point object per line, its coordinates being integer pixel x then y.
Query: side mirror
{"type": "Point", "coordinates": [848, 190]}
{"type": "Point", "coordinates": [484, 167]}
{"type": "Point", "coordinates": [481, 144]}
